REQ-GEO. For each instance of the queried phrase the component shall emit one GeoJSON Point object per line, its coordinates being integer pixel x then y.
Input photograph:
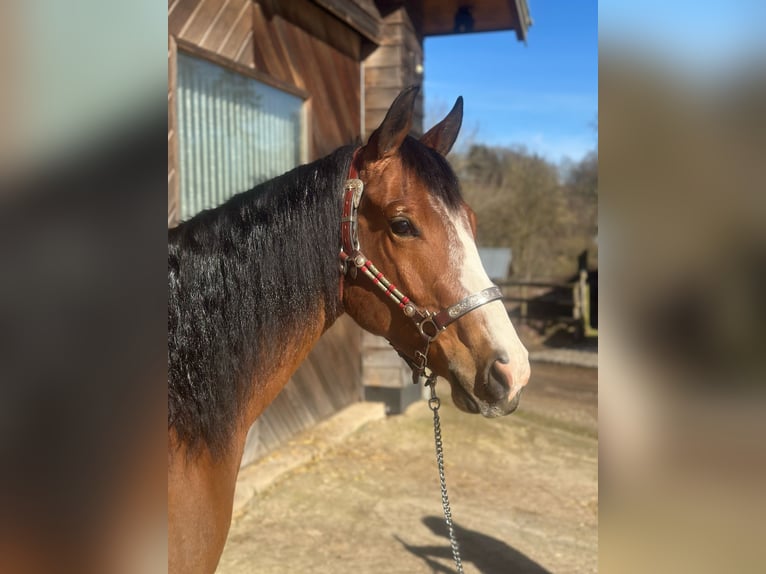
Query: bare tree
{"type": "Point", "coordinates": [522, 203]}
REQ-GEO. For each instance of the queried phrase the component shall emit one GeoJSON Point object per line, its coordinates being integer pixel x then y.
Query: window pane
{"type": "Point", "coordinates": [233, 132]}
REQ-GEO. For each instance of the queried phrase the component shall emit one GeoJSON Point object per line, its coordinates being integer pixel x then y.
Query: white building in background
{"type": "Point", "coordinates": [497, 261]}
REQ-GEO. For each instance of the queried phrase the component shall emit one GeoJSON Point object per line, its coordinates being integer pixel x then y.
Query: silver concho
{"type": "Point", "coordinates": [358, 186]}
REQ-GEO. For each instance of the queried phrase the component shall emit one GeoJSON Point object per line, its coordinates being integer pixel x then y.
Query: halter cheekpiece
{"type": "Point", "coordinates": [428, 323]}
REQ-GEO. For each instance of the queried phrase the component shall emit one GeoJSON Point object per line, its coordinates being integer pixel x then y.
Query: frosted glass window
{"type": "Point", "coordinates": [233, 133]}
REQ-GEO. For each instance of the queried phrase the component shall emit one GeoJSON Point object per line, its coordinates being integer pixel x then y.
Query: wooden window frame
{"type": "Point", "coordinates": [196, 51]}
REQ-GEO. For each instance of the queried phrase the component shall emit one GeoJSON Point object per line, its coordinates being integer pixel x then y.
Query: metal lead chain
{"type": "Point", "coordinates": [434, 403]}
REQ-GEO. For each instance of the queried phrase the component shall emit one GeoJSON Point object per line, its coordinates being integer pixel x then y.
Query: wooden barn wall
{"type": "Point", "coordinates": [298, 47]}
{"type": "Point", "coordinates": [391, 67]}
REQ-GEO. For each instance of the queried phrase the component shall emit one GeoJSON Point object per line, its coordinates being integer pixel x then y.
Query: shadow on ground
{"type": "Point", "coordinates": [487, 555]}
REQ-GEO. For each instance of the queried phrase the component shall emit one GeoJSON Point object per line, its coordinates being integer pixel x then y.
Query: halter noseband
{"type": "Point", "coordinates": [428, 323]}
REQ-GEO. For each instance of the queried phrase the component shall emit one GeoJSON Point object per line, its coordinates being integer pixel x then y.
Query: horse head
{"type": "Point", "coordinates": [413, 224]}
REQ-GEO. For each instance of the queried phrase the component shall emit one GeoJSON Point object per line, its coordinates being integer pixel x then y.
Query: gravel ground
{"type": "Point", "coordinates": [523, 488]}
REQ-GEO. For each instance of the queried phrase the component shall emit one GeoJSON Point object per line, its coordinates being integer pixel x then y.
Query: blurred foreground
{"type": "Point", "coordinates": [682, 234]}
{"type": "Point", "coordinates": [82, 288]}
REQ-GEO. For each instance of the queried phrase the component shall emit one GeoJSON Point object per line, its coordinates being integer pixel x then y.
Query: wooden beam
{"type": "Point", "coordinates": [366, 22]}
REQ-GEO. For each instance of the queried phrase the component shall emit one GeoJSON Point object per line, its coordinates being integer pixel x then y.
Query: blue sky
{"type": "Point", "coordinates": [543, 95]}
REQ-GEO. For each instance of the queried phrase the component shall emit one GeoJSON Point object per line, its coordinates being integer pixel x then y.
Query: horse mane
{"type": "Point", "coordinates": [244, 276]}
{"type": "Point", "coordinates": [241, 279]}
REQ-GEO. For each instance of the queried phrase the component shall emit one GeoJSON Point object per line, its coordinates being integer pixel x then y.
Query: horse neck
{"type": "Point", "coordinates": [256, 284]}
{"type": "Point", "coordinates": [289, 228]}
{"type": "Point", "coordinates": [298, 274]}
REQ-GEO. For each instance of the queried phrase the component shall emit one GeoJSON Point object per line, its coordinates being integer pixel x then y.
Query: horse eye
{"type": "Point", "coordinates": [403, 227]}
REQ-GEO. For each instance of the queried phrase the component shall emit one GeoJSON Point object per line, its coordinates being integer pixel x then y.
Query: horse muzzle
{"type": "Point", "coordinates": [496, 393]}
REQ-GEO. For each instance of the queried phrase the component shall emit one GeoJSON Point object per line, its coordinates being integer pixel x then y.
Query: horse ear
{"type": "Point", "coordinates": [442, 136]}
{"type": "Point", "coordinates": [385, 140]}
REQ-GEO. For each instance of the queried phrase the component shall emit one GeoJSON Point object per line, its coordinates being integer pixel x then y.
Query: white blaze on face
{"type": "Point", "coordinates": [499, 331]}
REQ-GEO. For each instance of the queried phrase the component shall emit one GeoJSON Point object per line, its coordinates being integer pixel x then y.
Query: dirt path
{"type": "Point", "coordinates": [523, 489]}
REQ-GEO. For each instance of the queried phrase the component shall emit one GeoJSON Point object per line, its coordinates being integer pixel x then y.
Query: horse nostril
{"type": "Point", "coordinates": [499, 380]}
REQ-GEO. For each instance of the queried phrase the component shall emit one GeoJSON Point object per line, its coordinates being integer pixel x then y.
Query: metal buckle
{"type": "Point", "coordinates": [419, 364]}
{"type": "Point", "coordinates": [421, 360]}
{"type": "Point", "coordinates": [425, 322]}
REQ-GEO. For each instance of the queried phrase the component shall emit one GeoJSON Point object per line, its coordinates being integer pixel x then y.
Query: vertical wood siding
{"type": "Point", "coordinates": [392, 66]}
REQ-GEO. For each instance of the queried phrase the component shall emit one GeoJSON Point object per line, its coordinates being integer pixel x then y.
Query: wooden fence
{"type": "Point", "coordinates": [549, 303]}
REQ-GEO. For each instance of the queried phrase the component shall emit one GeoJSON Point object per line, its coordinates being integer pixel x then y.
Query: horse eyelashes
{"type": "Point", "coordinates": [403, 227]}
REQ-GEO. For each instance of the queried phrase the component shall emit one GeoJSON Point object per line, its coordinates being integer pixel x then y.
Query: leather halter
{"type": "Point", "coordinates": [352, 260]}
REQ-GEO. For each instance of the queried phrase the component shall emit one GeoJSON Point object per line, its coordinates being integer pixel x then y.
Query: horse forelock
{"type": "Point", "coordinates": [433, 170]}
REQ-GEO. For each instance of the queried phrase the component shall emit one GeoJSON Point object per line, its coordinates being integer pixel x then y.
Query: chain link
{"type": "Point", "coordinates": [434, 403]}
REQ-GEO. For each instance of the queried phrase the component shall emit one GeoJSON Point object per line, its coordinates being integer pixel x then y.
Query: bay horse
{"type": "Point", "coordinates": [255, 282]}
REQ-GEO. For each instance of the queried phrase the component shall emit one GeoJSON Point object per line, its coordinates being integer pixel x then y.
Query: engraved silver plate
{"type": "Point", "coordinates": [475, 300]}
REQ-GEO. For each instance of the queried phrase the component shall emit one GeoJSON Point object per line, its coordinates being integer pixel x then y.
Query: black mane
{"type": "Point", "coordinates": [244, 276]}
{"type": "Point", "coordinates": [240, 278]}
